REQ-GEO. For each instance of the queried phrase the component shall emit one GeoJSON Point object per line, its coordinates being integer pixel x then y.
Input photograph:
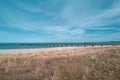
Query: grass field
{"type": "Point", "coordinates": [98, 63]}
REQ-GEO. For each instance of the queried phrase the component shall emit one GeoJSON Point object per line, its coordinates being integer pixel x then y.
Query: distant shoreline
{"type": "Point", "coordinates": [34, 50]}
{"type": "Point", "coordinates": [5, 46]}
{"type": "Point", "coordinates": [31, 50]}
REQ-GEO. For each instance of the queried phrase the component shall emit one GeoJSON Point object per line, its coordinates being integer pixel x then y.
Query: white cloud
{"type": "Point", "coordinates": [74, 13]}
{"type": "Point", "coordinates": [116, 4]}
{"type": "Point", "coordinates": [77, 32]}
{"type": "Point", "coordinates": [104, 18]}
{"type": "Point", "coordinates": [28, 6]}
{"type": "Point", "coordinates": [90, 18]}
{"type": "Point", "coordinates": [56, 28]}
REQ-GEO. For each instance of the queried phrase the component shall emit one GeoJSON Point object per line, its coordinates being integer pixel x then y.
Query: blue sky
{"type": "Point", "coordinates": [59, 20]}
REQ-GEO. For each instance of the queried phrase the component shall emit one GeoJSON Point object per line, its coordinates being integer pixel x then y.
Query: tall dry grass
{"type": "Point", "coordinates": [102, 63]}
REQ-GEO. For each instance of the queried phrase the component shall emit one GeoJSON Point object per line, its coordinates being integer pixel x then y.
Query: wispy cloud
{"type": "Point", "coordinates": [105, 18]}
{"type": "Point", "coordinates": [91, 17]}
{"type": "Point", "coordinates": [62, 19]}
{"type": "Point", "coordinates": [56, 28]}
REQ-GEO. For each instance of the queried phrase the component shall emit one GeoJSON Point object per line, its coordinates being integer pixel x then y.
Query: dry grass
{"type": "Point", "coordinates": [102, 63]}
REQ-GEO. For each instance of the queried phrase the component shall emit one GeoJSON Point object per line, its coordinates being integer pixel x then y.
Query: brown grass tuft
{"type": "Point", "coordinates": [99, 63]}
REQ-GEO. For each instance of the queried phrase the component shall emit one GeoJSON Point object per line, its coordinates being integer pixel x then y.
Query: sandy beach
{"type": "Point", "coordinates": [7, 51]}
{"type": "Point", "coordinates": [15, 51]}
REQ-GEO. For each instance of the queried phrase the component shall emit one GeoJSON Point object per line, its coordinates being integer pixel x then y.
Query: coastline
{"type": "Point", "coordinates": [7, 51]}
{"type": "Point", "coordinates": [32, 50]}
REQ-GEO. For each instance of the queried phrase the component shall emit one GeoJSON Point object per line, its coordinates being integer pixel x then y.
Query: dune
{"type": "Point", "coordinates": [97, 63]}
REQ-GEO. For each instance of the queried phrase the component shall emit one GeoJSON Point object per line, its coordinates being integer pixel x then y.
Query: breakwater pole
{"type": "Point", "coordinates": [48, 45]}
{"type": "Point", "coordinates": [77, 44]}
{"type": "Point", "coordinates": [94, 44]}
{"type": "Point", "coordinates": [64, 45]}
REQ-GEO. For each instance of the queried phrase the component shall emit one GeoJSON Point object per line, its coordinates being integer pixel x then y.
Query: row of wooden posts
{"type": "Point", "coordinates": [70, 45]}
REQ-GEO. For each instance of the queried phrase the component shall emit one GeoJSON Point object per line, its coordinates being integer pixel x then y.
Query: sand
{"type": "Point", "coordinates": [15, 51]}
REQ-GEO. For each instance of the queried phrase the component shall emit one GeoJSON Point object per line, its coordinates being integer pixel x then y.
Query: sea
{"type": "Point", "coordinates": [21, 46]}
{"type": "Point", "coordinates": [52, 45]}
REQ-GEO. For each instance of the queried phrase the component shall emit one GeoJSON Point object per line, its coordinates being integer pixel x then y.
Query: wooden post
{"type": "Point", "coordinates": [101, 45]}
{"type": "Point", "coordinates": [84, 45]}
{"type": "Point", "coordinates": [92, 45]}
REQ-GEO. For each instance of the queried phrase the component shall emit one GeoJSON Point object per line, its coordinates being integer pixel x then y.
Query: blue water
{"type": "Point", "coordinates": [51, 45]}
{"type": "Point", "coordinates": [21, 46]}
